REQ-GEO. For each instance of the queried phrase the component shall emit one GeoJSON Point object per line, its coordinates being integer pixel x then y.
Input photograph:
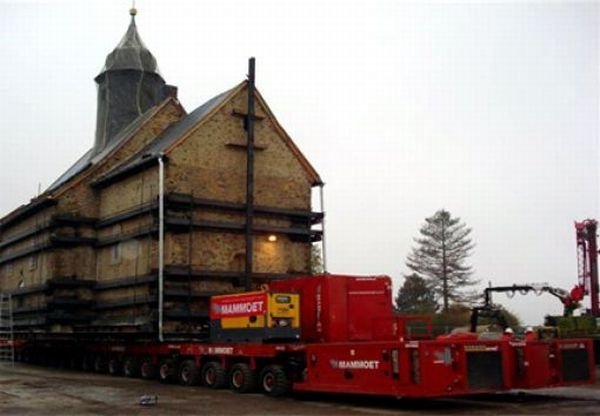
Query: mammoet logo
{"type": "Point", "coordinates": [238, 306]}
{"type": "Point", "coordinates": [220, 350]}
{"type": "Point", "coordinates": [354, 364]}
{"type": "Point", "coordinates": [242, 308]}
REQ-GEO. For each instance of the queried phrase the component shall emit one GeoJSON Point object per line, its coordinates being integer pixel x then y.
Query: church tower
{"type": "Point", "coordinates": [128, 86]}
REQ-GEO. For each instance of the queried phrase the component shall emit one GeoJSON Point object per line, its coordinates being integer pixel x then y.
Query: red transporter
{"type": "Point", "coordinates": [356, 344]}
{"type": "Point", "coordinates": [333, 334]}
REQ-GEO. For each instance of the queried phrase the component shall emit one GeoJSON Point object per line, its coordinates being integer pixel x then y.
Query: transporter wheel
{"type": "Point", "coordinates": [242, 379]}
{"type": "Point", "coordinates": [166, 371]}
{"type": "Point", "coordinates": [114, 366]}
{"type": "Point", "coordinates": [73, 362]}
{"type": "Point", "coordinates": [60, 361]}
{"type": "Point", "coordinates": [147, 370]}
{"type": "Point", "coordinates": [131, 367]}
{"type": "Point", "coordinates": [274, 381]}
{"type": "Point", "coordinates": [87, 363]}
{"type": "Point", "coordinates": [213, 375]}
{"type": "Point", "coordinates": [188, 373]}
{"type": "Point", "coordinates": [99, 364]}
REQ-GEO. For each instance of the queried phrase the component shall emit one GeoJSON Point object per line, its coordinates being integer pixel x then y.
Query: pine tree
{"type": "Point", "coordinates": [415, 298]}
{"type": "Point", "coordinates": [440, 258]}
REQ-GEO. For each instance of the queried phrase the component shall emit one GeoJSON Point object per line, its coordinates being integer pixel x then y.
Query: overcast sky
{"type": "Point", "coordinates": [487, 110]}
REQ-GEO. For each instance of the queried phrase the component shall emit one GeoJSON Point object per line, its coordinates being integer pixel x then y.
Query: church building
{"type": "Point", "coordinates": [166, 209]}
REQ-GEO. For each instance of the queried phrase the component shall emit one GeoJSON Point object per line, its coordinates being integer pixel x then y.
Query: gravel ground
{"type": "Point", "coordinates": [30, 390]}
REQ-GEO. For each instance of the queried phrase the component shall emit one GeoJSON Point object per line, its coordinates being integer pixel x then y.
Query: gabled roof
{"type": "Point", "coordinates": [180, 130]}
{"type": "Point", "coordinates": [155, 148]}
{"type": "Point", "coordinates": [174, 132]}
{"type": "Point", "coordinates": [89, 159]}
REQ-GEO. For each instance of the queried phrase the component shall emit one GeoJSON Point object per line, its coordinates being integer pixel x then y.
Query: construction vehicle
{"type": "Point", "coordinates": [327, 333]}
{"type": "Point", "coordinates": [566, 326]}
{"type": "Point", "coordinates": [570, 300]}
{"type": "Point", "coordinates": [586, 324]}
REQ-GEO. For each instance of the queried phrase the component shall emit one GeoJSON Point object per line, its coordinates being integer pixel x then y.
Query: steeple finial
{"type": "Point", "coordinates": [133, 10]}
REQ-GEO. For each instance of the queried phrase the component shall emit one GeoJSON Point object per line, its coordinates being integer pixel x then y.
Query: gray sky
{"type": "Point", "coordinates": [488, 110]}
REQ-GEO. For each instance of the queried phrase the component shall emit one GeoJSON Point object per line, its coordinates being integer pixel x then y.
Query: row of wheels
{"type": "Point", "coordinates": [240, 377]}
{"type": "Point", "coordinates": [271, 380]}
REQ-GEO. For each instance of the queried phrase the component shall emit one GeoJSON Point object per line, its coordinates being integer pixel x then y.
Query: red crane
{"type": "Point", "coordinates": [587, 261]}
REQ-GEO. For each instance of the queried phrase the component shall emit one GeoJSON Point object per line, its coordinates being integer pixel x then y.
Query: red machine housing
{"type": "Point", "coordinates": [343, 308]}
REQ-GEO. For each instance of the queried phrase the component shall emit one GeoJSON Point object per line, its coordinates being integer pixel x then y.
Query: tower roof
{"type": "Point", "coordinates": [131, 53]}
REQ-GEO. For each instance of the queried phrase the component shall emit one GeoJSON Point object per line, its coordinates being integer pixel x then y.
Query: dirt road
{"type": "Point", "coordinates": [29, 390]}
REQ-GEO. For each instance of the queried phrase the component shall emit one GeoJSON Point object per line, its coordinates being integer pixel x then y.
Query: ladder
{"type": "Point", "coordinates": [7, 346]}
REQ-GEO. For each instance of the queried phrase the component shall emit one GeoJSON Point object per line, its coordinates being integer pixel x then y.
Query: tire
{"type": "Point", "coordinates": [242, 379]}
{"type": "Point", "coordinates": [213, 375]}
{"type": "Point", "coordinates": [73, 362]}
{"type": "Point", "coordinates": [115, 367]}
{"type": "Point", "coordinates": [274, 381]}
{"type": "Point", "coordinates": [53, 360]}
{"type": "Point", "coordinates": [166, 371]}
{"type": "Point", "coordinates": [131, 367]}
{"type": "Point", "coordinates": [87, 363]}
{"type": "Point", "coordinates": [60, 361]}
{"type": "Point", "coordinates": [99, 364]}
{"type": "Point", "coordinates": [188, 373]}
{"type": "Point", "coordinates": [147, 370]}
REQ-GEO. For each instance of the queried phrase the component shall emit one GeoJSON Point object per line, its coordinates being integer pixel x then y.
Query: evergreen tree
{"type": "Point", "coordinates": [440, 255]}
{"type": "Point", "coordinates": [415, 298]}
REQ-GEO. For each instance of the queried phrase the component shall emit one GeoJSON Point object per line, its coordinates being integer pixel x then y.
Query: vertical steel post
{"type": "Point", "coordinates": [161, 244]}
{"type": "Point", "coordinates": [593, 267]}
{"type": "Point", "coordinates": [250, 176]}
{"type": "Point", "coordinates": [323, 251]}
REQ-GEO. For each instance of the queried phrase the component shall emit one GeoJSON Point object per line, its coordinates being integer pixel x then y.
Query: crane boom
{"type": "Point", "coordinates": [570, 301]}
{"type": "Point", "coordinates": [587, 261]}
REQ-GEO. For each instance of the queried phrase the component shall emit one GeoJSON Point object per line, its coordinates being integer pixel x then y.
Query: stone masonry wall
{"type": "Point", "coordinates": [211, 164]}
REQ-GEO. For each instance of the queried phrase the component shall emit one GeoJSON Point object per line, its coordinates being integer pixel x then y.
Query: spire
{"type": "Point", "coordinates": [128, 85]}
{"type": "Point", "coordinates": [131, 53]}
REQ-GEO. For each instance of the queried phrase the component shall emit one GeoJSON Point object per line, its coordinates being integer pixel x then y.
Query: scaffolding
{"type": "Point", "coordinates": [7, 346]}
